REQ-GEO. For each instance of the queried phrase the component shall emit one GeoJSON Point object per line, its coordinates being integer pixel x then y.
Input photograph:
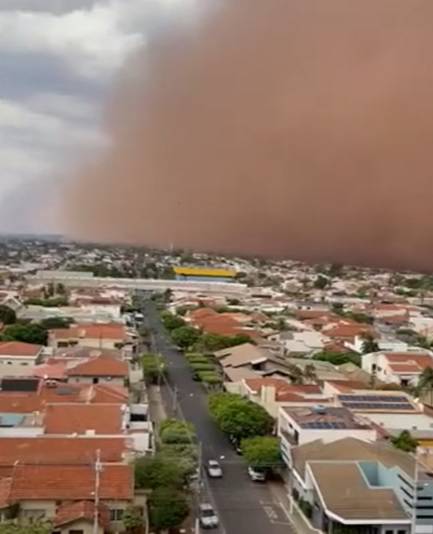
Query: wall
{"type": "Point", "coordinates": [85, 526]}
{"type": "Point", "coordinates": [26, 507]}
{"type": "Point", "coordinates": [17, 360]}
{"type": "Point", "coordinates": [115, 381]}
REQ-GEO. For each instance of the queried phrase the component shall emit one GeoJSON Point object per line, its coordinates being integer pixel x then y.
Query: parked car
{"type": "Point", "coordinates": [256, 475]}
{"type": "Point", "coordinates": [208, 517]}
{"type": "Point", "coordinates": [214, 469]}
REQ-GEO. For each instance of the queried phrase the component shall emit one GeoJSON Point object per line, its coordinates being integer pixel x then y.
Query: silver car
{"type": "Point", "coordinates": [214, 469]}
{"type": "Point", "coordinates": [208, 517]}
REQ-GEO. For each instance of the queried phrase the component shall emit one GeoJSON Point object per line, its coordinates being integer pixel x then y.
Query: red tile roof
{"type": "Point", "coordinates": [63, 450]}
{"type": "Point", "coordinates": [412, 362]}
{"type": "Point", "coordinates": [17, 348]}
{"type": "Point", "coordinates": [403, 368]}
{"type": "Point", "coordinates": [91, 331]}
{"type": "Point", "coordinates": [82, 510]}
{"type": "Point", "coordinates": [62, 393]}
{"type": "Point", "coordinates": [100, 366]}
{"type": "Point", "coordinates": [54, 371]}
{"type": "Point", "coordinates": [5, 489]}
{"type": "Point", "coordinates": [79, 418]}
{"type": "Point", "coordinates": [71, 483]}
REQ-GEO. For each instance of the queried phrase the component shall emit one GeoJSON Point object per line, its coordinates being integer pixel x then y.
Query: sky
{"type": "Point", "coordinates": [58, 60]}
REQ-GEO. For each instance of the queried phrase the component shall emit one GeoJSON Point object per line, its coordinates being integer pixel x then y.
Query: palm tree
{"type": "Point", "coordinates": [310, 373]}
{"type": "Point", "coordinates": [425, 382]}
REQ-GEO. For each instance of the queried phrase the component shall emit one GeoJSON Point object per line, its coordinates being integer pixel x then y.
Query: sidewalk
{"type": "Point", "coordinates": [299, 523]}
{"type": "Point", "coordinates": [156, 406]}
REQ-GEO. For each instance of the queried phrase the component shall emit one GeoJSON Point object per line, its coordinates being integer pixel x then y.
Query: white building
{"type": "Point", "coordinates": [403, 368]}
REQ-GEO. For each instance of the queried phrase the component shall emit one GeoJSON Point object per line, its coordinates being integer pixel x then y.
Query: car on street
{"type": "Point", "coordinates": [214, 469]}
{"type": "Point", "coordinates": [256, 475]}
{"type": "Point", "coordinates": [208, 516]}
{"type": "Point", "coordinates": [236, 445]}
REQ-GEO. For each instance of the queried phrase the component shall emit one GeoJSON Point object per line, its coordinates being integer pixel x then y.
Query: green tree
{"type": "Point", "coordinates": [173, 431]}
{"type": "Point", "coordinates": [262, 452]}
{"type": "Point", "coordinates": [7, 315]}
{"type": "Point", "coordinates": [38, 527]}
{"type": "Point", "coordinates": [405, 442]}
{"type": "Point", "coordinates": [60, 289]}
{"type": "Point", "coordinates": [369, 345]}
{"type": "Point", "coordinates": [51, 323]}
{"type": "Point", "coordinates": [28, 333]}
{"type": "Point", "coordinates": [185, 336]}
{"type": "Point", "coordinates": [168, 508]}
{"type": "Point", "coordinates": [170, 321]}
{"type": "Point", "coordinates": [425, 381]}
{"type": "Point", "coordinates": [239, 417]}
{"type": "Point", "coordinates": [321, 282]}
{"type": "Point", "coordinates": [153, 368]}
{"type": "Point", "coordinates": [209, 342]}
{"type": "Point", "coordinates": [338, 358]}
{"type": "Point", "coordinates": [133, 520]}
{"type": "Point", "coordinates": [158, 471]}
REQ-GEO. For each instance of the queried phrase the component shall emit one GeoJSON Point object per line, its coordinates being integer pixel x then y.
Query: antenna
{"type": "Point", "coordinates": [98, 469]}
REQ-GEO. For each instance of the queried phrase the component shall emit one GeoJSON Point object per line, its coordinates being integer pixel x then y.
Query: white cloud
{"type": "Point", "coordinates": [92, 41]}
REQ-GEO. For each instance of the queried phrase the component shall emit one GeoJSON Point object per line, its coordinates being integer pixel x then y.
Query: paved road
{"type": "Point", "coordinates": [244, 507]}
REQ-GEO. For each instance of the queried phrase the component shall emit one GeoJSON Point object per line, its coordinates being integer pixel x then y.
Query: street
{"type": "Point", "coordinates": [244, 507]}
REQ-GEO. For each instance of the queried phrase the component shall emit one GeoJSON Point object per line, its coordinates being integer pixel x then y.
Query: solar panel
{"type": "Point", "coordinates": [374, 398]}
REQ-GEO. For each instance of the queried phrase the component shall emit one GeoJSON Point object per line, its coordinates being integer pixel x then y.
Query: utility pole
{"type": "Point", "coordinates": [98, 468]}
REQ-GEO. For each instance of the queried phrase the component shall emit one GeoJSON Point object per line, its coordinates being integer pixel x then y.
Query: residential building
{"type": "Point", "coordinates": [99, 369]}
{"type": "Point", "coordinates": [16, 353]}
{"type": "Point", "coordinates": [300, 425]}
{"type": "Point", "coordinates": [403, 368]}
{"type": "Point", "coordinates": [43, 492]}
{"type": "Point", "coordinates": [362, 487]}
{"type": "Point", "coordinates": [100, 336]}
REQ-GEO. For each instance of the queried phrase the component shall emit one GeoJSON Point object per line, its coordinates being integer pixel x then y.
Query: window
{"type": "Point", "coordinates": [76, 531]}
{"type": "Point", "coordinates": [405, 481]}
{"type": "Point", "coordinates": [95, 380]}
{"type": "Point", "coordinates": [116, 515]}
{"type": "Point", "coordinates": [401, 532]}
{"type": "Point", "coordinates": [407, 493]}
{"type": "Point", "coordinates": [389, 532]}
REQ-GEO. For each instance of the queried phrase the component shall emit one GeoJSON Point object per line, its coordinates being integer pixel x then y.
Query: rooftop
{"type": "Point", "coordinates": [83, 418]}
{"type": "Point", "coordinates": [91, 331]}
{"type": "Point", "coordinates": [82, 510]}
{"type": "Point", "coordinates": [325, 418]}
{"type": "Point", "coordinates": [100, 366]}
{"type": "Point", "coordinates": [204, 271]}
{"type": "Point", "coordinates": [346, 493]}
{"type": "Point", "coordinates": [72, 483]}
{"type": "Point", "coordinates": [17, 348]}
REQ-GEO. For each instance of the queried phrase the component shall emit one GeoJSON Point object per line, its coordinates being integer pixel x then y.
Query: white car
{"type": "Point", "coordinates": [256, 475]}
{"type": "Point", "coordinates": [208, 517]}
{"type": "Point", "coordinates": [214, 469]}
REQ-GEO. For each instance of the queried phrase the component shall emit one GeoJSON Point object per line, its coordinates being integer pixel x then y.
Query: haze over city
{"type": "Point", "coordinates": [281, 128]}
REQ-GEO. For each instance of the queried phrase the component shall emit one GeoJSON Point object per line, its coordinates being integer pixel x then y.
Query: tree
{"type": "Point", "coordinates": [51, 323]}
{"type": "Point", "coordinates": [173, 431]}
{"type": "Point", "coordinates": [321, 282]}
{"type": "Point", "coordinates": [310, 373]}
{"type": "Point", "coordinates": [61, 290]}
{"type": "Point", "coordinates": [239, 417]}
{"type": "Point", "coordinates": [405, 442]}
{"type": "Point", "coordinates": [262, 452]}
{"type": "Point", "coordinates": [185, 336]}
{"type": "Point", "coordinates": [158, 471]}
{"type": "Point", "coordinates": [153, 368]}
{"type": "Point", "coordinates": [7, 315]}
{"type": "Point", "coordinates": [170, 321]}
{"type": "Point", "coordinates": [425, 382]}
{"type": "Point", "coordinates": [27, 333]}
{"type": "Point", "coordinates": [209, 342]}
{"type": "Point", "coordinates": [133, 520]}
{"type": "Point", "coordinates": [369, 345]}
{"type": "Point", "coordinates": [338, 358]}
{"type": "Point", "coordinates": [38, 527]}
{"type": "Point", "coordinates": [168, 507]}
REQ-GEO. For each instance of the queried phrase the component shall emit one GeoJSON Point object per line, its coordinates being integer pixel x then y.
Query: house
{"type": "Point", "coordinates": [246, 356]}
{"type": "Point", "coordinates": [102, 336]}
{"type": "Point", "coordinates": [85, 419]}
{"type": "Point", "coordinates": [99, 369]}
{"type": "Point", "coordinates": [358, 486]}
{"type": "Point", "coordinates": [43, 492]}
{"type": "Point", "coordinates": [16, 353]}
{"type": "Point", "coordinates": [300, 425]}
{"type": "Point", "coordinates": [403, 368]}
{"type": "Point", "coordinates": [80, 517]}
{"type": "Point", "coordinates": [273, 393]}
{"type": "Point", "coordinates": [61, 451]}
